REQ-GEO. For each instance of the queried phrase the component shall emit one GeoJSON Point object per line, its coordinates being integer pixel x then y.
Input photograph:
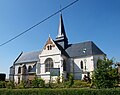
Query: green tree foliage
{"type": "Point", "coordinates": [105, 76]}
{"type": "Point", "coordinates": [38, 82]}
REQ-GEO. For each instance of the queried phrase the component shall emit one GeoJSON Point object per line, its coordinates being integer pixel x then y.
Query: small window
{"type": "Point", "coordinates": [50, 47]}
{"type": "Point", "coordinates": [81, 64]}
{"type": "Point", "coordinates": [47, 47]}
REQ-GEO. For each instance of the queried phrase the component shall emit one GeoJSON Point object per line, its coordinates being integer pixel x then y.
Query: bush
{"type": "Point", "coordinates": [38, 82]}
{"type": "Point", "coordinates": [41, 82]}
{"type": "Point", "coordinates": [80, 83]}
{"type": "Point", "coordinates": [21, 85]}
{"type": "Point", "coordinates": [10, 85]}
{"type": "Point", "coordinates": [60, 91]}
{"type": "Point", "coordinates": [54, 85]}
{"type": "Point", "coordinates": [67, 84]}
{"type": "Point", "coordinates": [2, 84]}
{"type": "Point", "coordinates": [58, 80]}
{"type": "Point", "coordinates": [71, 80]}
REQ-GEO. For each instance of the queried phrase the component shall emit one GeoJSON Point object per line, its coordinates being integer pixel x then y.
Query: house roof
{"type": "Point", "coordinates": [83, 49]}
{"type": "Point", "coordinates": [28, 57]}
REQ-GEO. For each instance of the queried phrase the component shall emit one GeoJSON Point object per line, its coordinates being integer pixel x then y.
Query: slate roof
{"type": "Point", "coordinates": [83, 49]}
{"type": "Point", "coordinates": [74, 50]}
{"type": "Point", "coordinates": [28, 57]}
{"type": "Point", "coordinates": [61, 49]}
{"type": "Point", "coordinates": [61, 30]}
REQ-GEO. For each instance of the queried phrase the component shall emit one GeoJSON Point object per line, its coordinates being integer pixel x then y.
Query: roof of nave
{"type": "Point", "coordinates": [83, 49]}
{"type": "Point", "coordinates": [28, 57]}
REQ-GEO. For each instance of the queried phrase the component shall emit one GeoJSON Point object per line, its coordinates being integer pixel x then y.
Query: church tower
{"type": "Point", "coordinates": [61, 38]}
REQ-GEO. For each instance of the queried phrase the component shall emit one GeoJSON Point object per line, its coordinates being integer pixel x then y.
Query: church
{"type": "Point", "coordinates": [57, 58]}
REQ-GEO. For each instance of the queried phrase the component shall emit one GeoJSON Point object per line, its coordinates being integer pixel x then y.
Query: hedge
{"type": "Point", "coordinates": [70, 91]}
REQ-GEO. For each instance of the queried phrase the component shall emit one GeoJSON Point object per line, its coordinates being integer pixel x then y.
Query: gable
{"type": "Point", "coordinates": [49, 43]}
{"type": "Point", "coordinates": [50, 48]}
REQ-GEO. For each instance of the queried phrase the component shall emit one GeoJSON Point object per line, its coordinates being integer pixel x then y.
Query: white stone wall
{"type": "Point", "coordinates": [27, 65]}
{"type": "Point", "coordinates": [16, 71]}
{"type": "Point", "coordinates": [55, 54]}
{"type": "Point", "coordinates": [90, 62]}
{"type": "Point", "coordinates": [56, 62]}
{"type": "Point", "coordinates": [87, 62]}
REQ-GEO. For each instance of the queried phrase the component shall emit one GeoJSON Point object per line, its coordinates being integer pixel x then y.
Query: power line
{"type": "Point", "coordinates": [38, 23]}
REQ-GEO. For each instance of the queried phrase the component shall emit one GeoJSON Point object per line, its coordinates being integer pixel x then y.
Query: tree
{"type": "Point", "coordinates": [105, 76]}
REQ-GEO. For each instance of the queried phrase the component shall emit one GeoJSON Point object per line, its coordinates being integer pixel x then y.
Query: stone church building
{"type": "Point", "coordinates": [57, 56]}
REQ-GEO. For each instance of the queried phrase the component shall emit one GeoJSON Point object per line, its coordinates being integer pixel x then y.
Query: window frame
{"type": "Point", "coordinates": [48, 64]}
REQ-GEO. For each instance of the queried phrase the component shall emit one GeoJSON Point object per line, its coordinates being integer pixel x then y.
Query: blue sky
{"type": "Point", "coordinates": [94, 20]}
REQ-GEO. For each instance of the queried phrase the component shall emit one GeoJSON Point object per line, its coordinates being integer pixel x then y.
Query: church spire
{"type": "Point", "coordinates": [61, 37]}
{"type": "Point", "coordinates": [61, 29]}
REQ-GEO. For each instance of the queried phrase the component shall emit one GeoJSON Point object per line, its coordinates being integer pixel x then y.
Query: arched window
{"type": "Point", "coordinates": [29, 68]}
{"type": "Point", "coordinates": [24, 69]}
{"type": "Point", "coordinates": [81, 64]}
{"type": "Point", "coordinates": [19, 70]}
{"type": "Point", "coordinates": [48, 64]}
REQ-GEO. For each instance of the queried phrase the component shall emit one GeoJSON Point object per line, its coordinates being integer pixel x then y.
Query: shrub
{"type": "Point", "coordinates": [21, 85]}
{"type": "Point", "coordinates": [60, 91]}
{"type": "Point", "coordinates": [2, 84]}
{"type": "Point", "coordinates": [71, 80]}
{"type": "Point", "coordinates": [67, 84]}
{"type": "Point", "coordinates": [10, 85]}
{"type": "Point", "coordinates": [38, 82]}
{"type": "Point", "coordinates": [55, 85]}
{"type": "Point", "coordinates": [80, 83]}
{"type": "Point", "coordinates": [58, 80]}
{"type": "Point", "coordinates": [41, 82]}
